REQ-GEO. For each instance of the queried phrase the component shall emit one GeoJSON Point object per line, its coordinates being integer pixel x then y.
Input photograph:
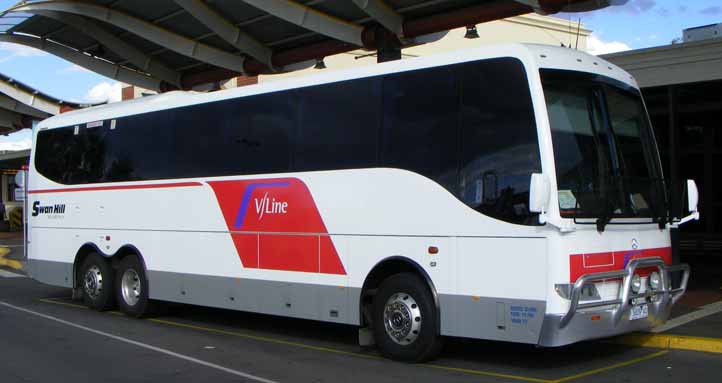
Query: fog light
{"type": "Point", "coordinates": [655, 281]}
{"type": "Point", "coordinates": [636, 283]}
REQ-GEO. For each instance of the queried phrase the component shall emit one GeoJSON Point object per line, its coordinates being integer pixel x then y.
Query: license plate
{"type": "Point", "coordinates": [639, 312]}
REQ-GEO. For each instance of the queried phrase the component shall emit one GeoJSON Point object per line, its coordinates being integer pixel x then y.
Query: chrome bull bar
{"type": "Point", "coordinates": [669, 295]}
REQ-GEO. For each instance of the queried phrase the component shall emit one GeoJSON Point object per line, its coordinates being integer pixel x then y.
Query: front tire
{"type": "Point", "coordinates": [131, 287]}
{"type": "Point", "coordinates": [405, 322]}
{"type": "Point", "coordinates": [97, 280]}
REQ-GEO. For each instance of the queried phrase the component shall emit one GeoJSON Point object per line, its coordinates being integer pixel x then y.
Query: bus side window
{"type": "Point", "coordinates": [271, 121]}
{"type": "Point", "coordinates": [60, 154]}
{"type": "Point", "coordinates": [499, 147]}
{"type": "Point", "coordinates": [339, 125]}
{"type": "Point", "coordinates": [419, 133]}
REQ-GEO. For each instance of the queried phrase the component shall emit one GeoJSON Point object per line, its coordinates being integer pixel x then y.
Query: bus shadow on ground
{"type": "Point", "coordinates": [496, 356]}
{"type": "Point", "coordinates": [534, 360]}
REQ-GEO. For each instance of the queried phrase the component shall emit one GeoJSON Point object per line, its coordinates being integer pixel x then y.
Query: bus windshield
{"type": "Point", "coordinates": [606, 158]}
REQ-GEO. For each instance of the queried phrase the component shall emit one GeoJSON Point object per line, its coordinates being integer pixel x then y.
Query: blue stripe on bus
{"type": "Point", "coordinates": [247, 198]}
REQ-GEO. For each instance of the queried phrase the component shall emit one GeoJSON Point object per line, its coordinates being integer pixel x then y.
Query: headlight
{"type": "Point", "coordinates": [655, 281]}
{"type": "Point", "coordinates": [636, 283]}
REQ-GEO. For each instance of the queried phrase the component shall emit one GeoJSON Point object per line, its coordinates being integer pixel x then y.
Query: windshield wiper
{"type": "Point", "coordinates": [607, 210]}
{"type": "Point", "coordinates": [605, 217]}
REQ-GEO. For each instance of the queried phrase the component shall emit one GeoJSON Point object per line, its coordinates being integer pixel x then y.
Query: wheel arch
{"type": "Point", "coordinates": [386, 268]}
{"type": "Point", "coordinates": [90, 247]}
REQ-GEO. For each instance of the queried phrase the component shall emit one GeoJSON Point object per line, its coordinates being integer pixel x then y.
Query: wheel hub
{"type": "Point", "coordinates": [130, 287]}
{"type": "Point", "coordinates": [402, 318]}
{"type": "Point", "coordinates": [93, 282]}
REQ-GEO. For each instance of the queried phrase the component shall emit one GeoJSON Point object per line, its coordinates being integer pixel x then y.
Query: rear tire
{"type": "Point", "coordinates": [405, 322]}
{"type": "Point", "coordinates": [131, 288]}
{"type": "Point", "coordinates": [97, 281]}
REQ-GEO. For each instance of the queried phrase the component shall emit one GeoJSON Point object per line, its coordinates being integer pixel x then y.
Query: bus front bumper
{"type": "Point", "coordinates": [605, 318]}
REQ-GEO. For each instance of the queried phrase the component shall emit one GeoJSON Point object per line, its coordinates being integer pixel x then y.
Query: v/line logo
{"type": "Point", "coordinates": [269, 206]}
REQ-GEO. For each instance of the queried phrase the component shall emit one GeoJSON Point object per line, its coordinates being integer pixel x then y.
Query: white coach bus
{"type": "Point", "coordinates": [510, 193]}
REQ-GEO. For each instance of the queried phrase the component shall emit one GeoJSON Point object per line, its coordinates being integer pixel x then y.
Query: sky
{"type": "Point", "coordinates": [644, 23]}
{"type": "Point", "coordinates": [636, 24]}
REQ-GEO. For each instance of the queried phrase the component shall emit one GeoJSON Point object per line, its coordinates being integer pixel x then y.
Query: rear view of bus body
{"type": "Point", "coordinates": [394, 197]}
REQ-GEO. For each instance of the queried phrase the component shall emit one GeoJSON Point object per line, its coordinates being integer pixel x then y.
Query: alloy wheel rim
{"type": "Point", "coordinates": [130, 287]}
{"type": "Point", "coordinates": [93, 282]}
{"type": "Point", "coordinates": [402, 318]}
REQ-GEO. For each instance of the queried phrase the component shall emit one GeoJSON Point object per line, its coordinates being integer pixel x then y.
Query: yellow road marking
{"type": "Point", "coordinates": [486, 373]}
{"type": "Point", "coordinates": [611, 367]}
{"type": "Point", "coordinates": [225, 332]}
{"type": "Point", "coordinates": [55, 302]}
{"type": "Point", "coordinates": [376, 357]}
{"type": "Point", "coordinates": [263, 338]}
{"type": "Point", "coordinates": [308, 346]}
{"type": "Point", "coordinates": [672, 342]}
{"type": "Point", "coordinates": [11, 263]}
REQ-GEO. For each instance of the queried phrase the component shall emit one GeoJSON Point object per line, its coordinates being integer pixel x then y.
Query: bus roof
{"type": "Point", "coordinates": [533, 55]}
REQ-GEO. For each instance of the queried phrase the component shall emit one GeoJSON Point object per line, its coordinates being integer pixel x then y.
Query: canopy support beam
{"type": "Point", "coordinates": [95, 31]}
{"type": "Point", "coordinates": [384, 14]}
{"type": "Point", "coordinates": [226, 30]}
{"type": "Point", "coordinates": [311, 19]}
{"type": "Point", "coordinates": [13, 105]}
{"type": "Point", "coordinates": [102, 67]}
{"type": "Point", "coordinates": [147, 30]}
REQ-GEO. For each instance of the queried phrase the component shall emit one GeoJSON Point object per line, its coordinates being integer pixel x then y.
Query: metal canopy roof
{"type": "Point", "coordinates": [20, 105]}
{"type": "Point", "coordinates": [171, 44]}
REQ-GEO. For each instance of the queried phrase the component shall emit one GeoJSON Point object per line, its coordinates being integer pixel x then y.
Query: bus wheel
{"type": "Point", "coordinates": [96, 276]}
{"type": "Point", "coordinates": [131, 287]}
{"type": "Point", "coordinates": [404, 319]}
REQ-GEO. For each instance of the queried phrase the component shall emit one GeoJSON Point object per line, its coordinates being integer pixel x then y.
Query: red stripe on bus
{"type": "Point", "coordinates": [266, 207]}
{"type": "Point", "coordinates": [588, 263]}
{"type": "Point", "coordinates": [123, 187]}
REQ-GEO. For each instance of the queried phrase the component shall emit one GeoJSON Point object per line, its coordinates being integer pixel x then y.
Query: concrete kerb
{"type": "Point", "coordinates": [672, 342]}
{"type": "Point", "coordinates": [663, 337]}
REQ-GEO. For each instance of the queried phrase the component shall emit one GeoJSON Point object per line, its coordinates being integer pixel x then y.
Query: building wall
{"type": "Point", "coordinates": [673, 64]}
{"type": "Point", "coordinates": [531, 28]}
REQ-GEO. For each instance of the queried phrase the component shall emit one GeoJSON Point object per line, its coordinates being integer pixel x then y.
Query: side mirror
{"type": "Point", "coordinates": [538, 193]}
{"type": "Point", "coordinates": [692, 202]}
{"type": "Point", "coordinates": [692, 196]}
{"type": "Point", "coordinates": [20, 179]}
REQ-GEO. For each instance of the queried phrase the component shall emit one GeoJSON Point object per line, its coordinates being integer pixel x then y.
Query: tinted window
{"type": "Point", "coordinates": [470, 127]}
{"type": "Point", "coordinates": [266, 140]}
{"type": "Point", "coordinates": [499, 149]}
{"type": "Point", "coordinates": [56, 154]}
{"type": "Point", "coordinates": [242, 136]}
{"type": "Point", "coordinates": [138, 148]}
{"type": "Point", "coordinates": [420, 124]}
{"type": "Point", "coordinates": [339, 125]}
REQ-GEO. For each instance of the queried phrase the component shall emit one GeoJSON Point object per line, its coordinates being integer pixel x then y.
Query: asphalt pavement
{"type": "Point", "coordinates": [47, 337]}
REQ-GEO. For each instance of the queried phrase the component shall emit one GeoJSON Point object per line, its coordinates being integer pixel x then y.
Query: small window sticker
{"type": "Point", "coordinates": [94, 124]}
{"type": "Point", "coordinates": [112, 124]}
{"type": "Point", "coordinates": [567, 201]}
{"type": "Point", "coordinates": [76, 130]}
{"type": "Point", "coordinates": [638, 202]}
